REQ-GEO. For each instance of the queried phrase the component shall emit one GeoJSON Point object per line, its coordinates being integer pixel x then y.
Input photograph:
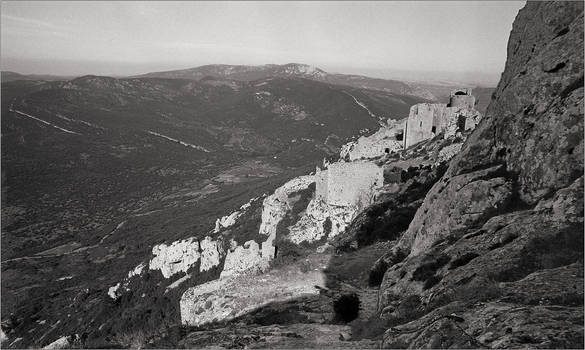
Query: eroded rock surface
{"type": "Point", "coordinates": [494, 256]}
{"type": "Point", "coordinates": [228, 298]}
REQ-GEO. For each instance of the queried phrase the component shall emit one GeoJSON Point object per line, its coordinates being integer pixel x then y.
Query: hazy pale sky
{"type": "Point", "coordinates": [441, 39]}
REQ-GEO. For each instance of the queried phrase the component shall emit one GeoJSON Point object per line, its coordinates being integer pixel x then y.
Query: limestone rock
{"type": "Point", "coordinates": [211, 253]}
{"type": "Point", "coordinates": [494, 256]}
{"type": "Point", "coordinates": [510, 141]}
{"type": "Point", "coordinates": [276, 205]}
{"type": "Point", "coordinates": [245, 259]}
{"type": "Point", "coordinates": [464, 201]}
{"type": "Point", "coordinates": [229, 220]}
{"type": "Point", "coordinates": [113, 291]}
{"type": "Point", "coordinates": [228, 298]}
{"type": "Point", "coordinates": [61, 343]}
{"type": "Point", "coordinates": [491, 325]}
{"type": "Point", "coordinates": [321, 220]}
{"type": "Point", "coordinates": [535, 123]}
{"type": "Point", "coordinates": [177, 257]}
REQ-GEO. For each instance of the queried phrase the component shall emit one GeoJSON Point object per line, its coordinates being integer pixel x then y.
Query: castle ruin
{"type": "Point", "coordinates": [388, 139]}
{"type": "Point", "coordinates": [349, 184]}
{"type": "Point", "coordinates": [426, 120]}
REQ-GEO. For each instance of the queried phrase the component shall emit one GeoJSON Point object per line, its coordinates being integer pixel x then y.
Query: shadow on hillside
{"type": "Point", "coordinates": [344, 302]}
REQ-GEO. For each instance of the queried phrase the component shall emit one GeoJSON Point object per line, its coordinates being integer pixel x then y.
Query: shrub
{"type": "Point", "coordinates": [134, 340]}
{"type": "Point", "coordinates": [347, 307]}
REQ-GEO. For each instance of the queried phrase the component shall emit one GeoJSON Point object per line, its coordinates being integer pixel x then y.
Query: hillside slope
{"type": "Point", "coordinates": [97, 170]}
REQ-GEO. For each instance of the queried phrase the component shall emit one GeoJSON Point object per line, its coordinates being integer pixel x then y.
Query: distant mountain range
{"type": "Point", "coordinates": [431, 91]}
{"type": "Point", "coordinates": [13, 76]}
{"type": "Point", "coordinates": [250, 73]}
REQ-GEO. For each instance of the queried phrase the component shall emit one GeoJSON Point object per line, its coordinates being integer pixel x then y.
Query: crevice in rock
{"type": "Point", "coordinates": [556, 68]}
{"type": "Point", "coordinates": [562, 32]}
{"type": "Point", "coordinates": [377, 273]}
{"type": "Point", "coordinates": [427, 270]}
{"type": "Point", "coordinates": [572, 87]}
{"type": "Point", "coordinates": [463, 260]}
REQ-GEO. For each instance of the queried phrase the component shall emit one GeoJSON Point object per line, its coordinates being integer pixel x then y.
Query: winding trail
{"type": "Point", "coordinates": [113, 231]}
{"type": "Point", "coordinates": [183, 143]}
{"type": "Point", "coordinates": [44, 122]}
{"type": "Point", "coordinates": [363, 105]}
{"type": "Point", "coordinates": [79, 121]}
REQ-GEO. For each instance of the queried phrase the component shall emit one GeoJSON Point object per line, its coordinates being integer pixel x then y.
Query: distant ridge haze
{"type": "Point", "coordinates": [245, 73]}
{"type": "Point", "coordinates": [406, 40]}
{"type": "Point", "coordinates": [121, 69]}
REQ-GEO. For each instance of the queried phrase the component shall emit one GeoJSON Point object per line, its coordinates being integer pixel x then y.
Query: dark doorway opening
{"type": "Point", "coordinates": [434, 129]}
{"type": "Point", "coordinates": [461, 123]}
{"type": "Point", "coordinates": [399, 136]}
{"type": "Point", "coordinates": [459, 93]}
{"type": "Point", "coordinates": [387, 150]}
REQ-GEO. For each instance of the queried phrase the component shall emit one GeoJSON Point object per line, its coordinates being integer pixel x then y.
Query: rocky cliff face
{"type": "Point", "coordinates": [494, 256]}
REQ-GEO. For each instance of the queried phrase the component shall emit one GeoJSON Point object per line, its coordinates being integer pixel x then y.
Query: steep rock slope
{"type": "Point", "coordinates": [494, 256]}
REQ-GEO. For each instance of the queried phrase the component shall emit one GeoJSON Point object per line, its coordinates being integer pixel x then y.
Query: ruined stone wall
{"type": "Point", "coordinates": [427, 120]}
{"type": "Point", "coordinates": [381, 142]}
{"type": "Point", "coordinates": [348, 184]}
{"type": "Point", "coordinates": [462, 101]}
{"type": "Point", "coordinates": [462, 98]}
{"type": "Point", "coordinates": [421, 119]}
{"type": "Point", "coordinates": [471, 118]}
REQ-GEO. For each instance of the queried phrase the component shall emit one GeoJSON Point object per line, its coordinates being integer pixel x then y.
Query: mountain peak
{"type": "Point", "coordinates": [302, 69]}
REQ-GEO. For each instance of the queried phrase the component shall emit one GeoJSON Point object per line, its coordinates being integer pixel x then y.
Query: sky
{"type": "Point", "coordinates": [412, 40]}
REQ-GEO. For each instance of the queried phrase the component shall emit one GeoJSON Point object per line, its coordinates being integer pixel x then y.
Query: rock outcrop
{"type": "Point", "coordinates": [177, 257]}
{"type": "Point", "coordinates": [229, 220]}
{"type": "Point", "coordinates": [237, 294]}
{"type": "Point", "coordinates": [494, 256]}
